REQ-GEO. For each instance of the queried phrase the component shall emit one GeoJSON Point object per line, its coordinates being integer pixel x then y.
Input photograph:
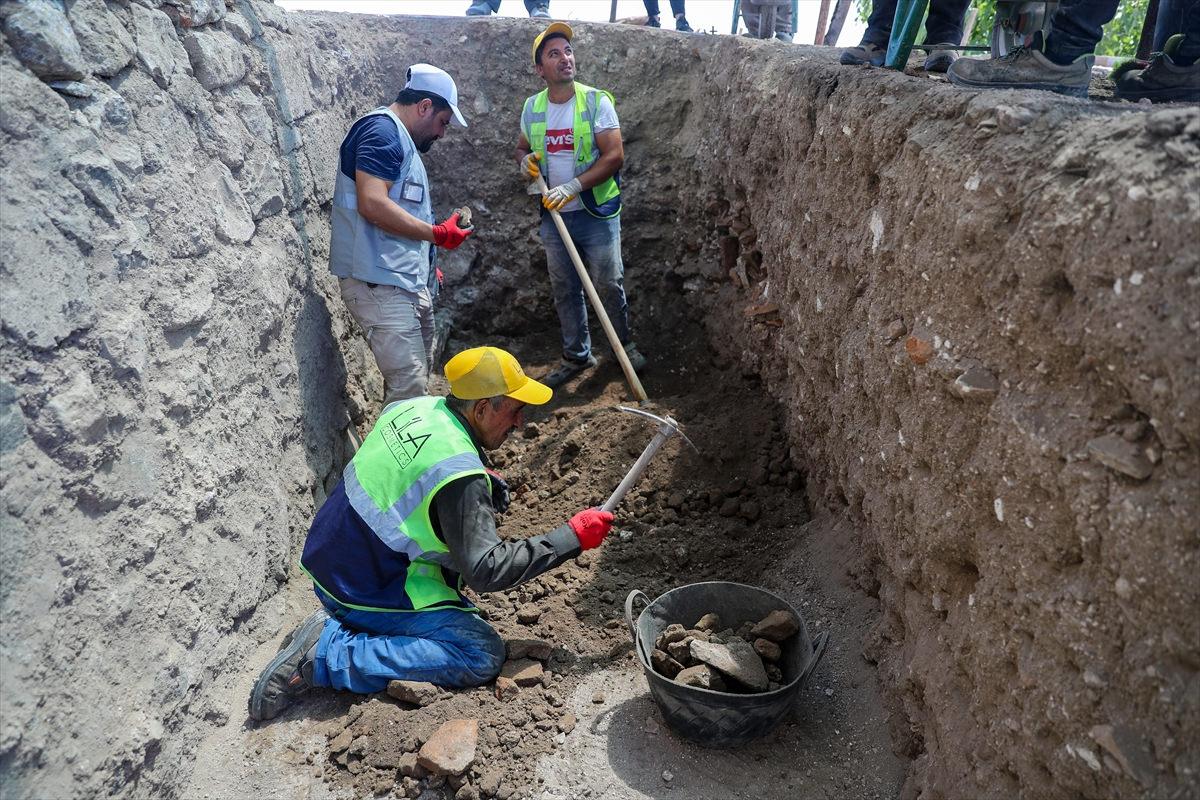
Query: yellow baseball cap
{"type": "Point", "coordinates": [559, 28]}
{"type": "Point", "coordinates": [490, 372]}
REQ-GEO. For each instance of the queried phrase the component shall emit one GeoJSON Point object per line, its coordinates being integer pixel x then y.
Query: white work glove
{"type": "Point", "coordinates": [529, 166]}
{"type": "Point", "coordinates": [562, 194]}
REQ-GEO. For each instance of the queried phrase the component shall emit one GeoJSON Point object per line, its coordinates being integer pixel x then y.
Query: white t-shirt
{"type": "Point", "coordinates": [560, 140]}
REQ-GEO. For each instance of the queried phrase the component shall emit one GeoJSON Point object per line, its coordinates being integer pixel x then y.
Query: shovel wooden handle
{"type": "Point", "coordinates": [630, 376]}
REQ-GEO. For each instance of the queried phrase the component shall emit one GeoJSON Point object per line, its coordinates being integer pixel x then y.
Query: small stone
{"type": "Point", "coordinates": [341, 742]}
{"type": "Point", "coordinates": [667, 776]}
{"type": "Point", "coordinates": [42, 38]}
{"type": "Point", "coordinates": [736, 660]}
{"type": "Point", "coordinates": [531, 431]}
{"type": "Point", "coordinates": [528, 614]}
{"type": "Point", "coordinates": [919, 350]}
{"type": "Point", "coordinates": [702, 676]}
{"type": "Point", "coordinates": [672, 633]}
{"type": "Point", "coordinates": [528, 648]}
{"type": "Point", "coordinates": [1123, 588]}
{"type": "Point", "coordinates": [382, 785]}
{"type": "Point", "coordinates": [777, 626]}
{"type": "Point", "coordinates": [506, 689]}
{"type": "Point", "coordinates": [774, 673]}
{"type": "Point", "coordinates": [418, 693]}
{"type": "Point", "coordinates": [829, 692]}
{"type": "Point", "coordinates": [730, 507]}
{"type": "Point", "coordinates": [451, 749]}
{"type": "Point", "coordinates": [1135, 430]}
{"type": "Point", "coordinates": [681, 651]}
{"type": "Point", "coordinates": [663, 663]}
{"type": "Point", "coordinates": [567, 723]}
{"type": "Point", "coordinates": [895, 330]}
{"type": "Point", "coordinates": [523, 671]}
{"type": "Point", "coordinates": [598, 697]}
{"type": "Point", "coordinates": [408, 766]}
{"type": "Point", "coordinates": [767, 649]}
{"type": "Point", "coordinates": [750, 510]}
{"type": "Point", "coordinates": [1121, 456]}
{"type": "Point", "coordinates": [975, 384]}
{"type": "Point", "coordinates": [489, 782]}
{"type": "Point", "coordinates": [466, 792]}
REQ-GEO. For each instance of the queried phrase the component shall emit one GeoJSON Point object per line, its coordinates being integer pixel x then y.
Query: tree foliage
{"type": "Point", "coordinates": [1120, 36]}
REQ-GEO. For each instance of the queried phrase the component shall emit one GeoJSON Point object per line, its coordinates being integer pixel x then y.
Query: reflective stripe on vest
{"type": "Point", "coordinates": [358, 249]}
{"type": "Point", "coordinates": [603, 200]}
{"type": "Point", "coordinates": [416, 448]}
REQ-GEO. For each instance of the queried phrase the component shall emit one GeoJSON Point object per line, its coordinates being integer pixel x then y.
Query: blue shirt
{"type": "Point", "coordinates": [373, 145]}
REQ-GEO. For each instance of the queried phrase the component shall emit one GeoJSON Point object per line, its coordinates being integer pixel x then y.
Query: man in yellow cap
{"type": "Point", "coordinates": [410, 524]}
{"type": "Point", "coordinates": [571, 134]}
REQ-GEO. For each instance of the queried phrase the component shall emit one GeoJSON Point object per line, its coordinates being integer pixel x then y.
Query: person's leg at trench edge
{"type": "Point", "coordinates": [569, 300]}
{"type": "Point", "coordinates": [1077, 28]}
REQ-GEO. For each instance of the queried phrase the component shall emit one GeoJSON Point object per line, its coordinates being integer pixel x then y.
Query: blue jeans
{"type": "Point", "coordinates": [944, 25]}
{"type": "Point", "coordinates": [361, 651]}
{"type": "Point", "coordinates": [599, 244]}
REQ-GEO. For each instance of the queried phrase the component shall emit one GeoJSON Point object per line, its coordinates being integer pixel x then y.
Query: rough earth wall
{"type": "Point", "coordinates": [173, 402]}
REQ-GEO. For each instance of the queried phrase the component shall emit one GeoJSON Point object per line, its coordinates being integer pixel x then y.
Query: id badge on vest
{"type": "Point", "coordinates": [412, 191]}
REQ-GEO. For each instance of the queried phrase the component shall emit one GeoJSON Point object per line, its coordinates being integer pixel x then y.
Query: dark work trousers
{"type": "Point", "coordinates": [1179, 16]}
{"type": "Point", "coordinates": [1076, 28]}
{"type": "Point", "coordinates": [530, 5]}
{"type": "Point", "coordinates": [944, 25]}
{"type": "Point", "coordinates": [652, 7]}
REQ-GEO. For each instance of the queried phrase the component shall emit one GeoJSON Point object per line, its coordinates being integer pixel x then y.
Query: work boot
{"type": "Point", "coordinates": [940, 57]}
{"type": "Point", "coordinates": [290, 672]}
{"type": "Point", "coordinates": [1163, 80]}
{"type": "Point", "coordinates": [479, 9]}
{"type": "Point", "coordinates": [541, 11]}
{"type": "Point", "coordinates": [865, 53]}
{"type": "Point", "coordinates": [681, 24]}
{"type": "Point", "coordinates": [1024, 68]}
{"type": "Point", "coordinates": [636, 359]}
{"type": "Point", "coordinates": [652, 21]}
{"type": "Point", "coordinates": [786, 38]}
{"type": "Point", "coordinates": [566, 370]}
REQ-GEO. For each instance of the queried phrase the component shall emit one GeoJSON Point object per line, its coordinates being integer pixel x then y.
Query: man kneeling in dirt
{"type": "Point", "coordinates": [411, 521]}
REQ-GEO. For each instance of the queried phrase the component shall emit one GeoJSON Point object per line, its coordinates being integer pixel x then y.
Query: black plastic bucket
{"type": "Point", "coordinates": [720, 719]}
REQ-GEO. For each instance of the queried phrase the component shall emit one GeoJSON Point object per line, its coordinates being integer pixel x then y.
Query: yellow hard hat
{"type": "Point", "coordinates": [553, 28]}
{"type": "Point", "coordinates": [490, 372]}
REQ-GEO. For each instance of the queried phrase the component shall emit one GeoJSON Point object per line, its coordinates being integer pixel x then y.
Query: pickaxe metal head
{"type": "Point", "coordinates": [667, 428]}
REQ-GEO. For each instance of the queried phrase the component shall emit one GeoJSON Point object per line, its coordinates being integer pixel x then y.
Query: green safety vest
{"type": "Point", "coordinates": [604, 199]}
{"type": "Point", "coordinates": [416, 448]}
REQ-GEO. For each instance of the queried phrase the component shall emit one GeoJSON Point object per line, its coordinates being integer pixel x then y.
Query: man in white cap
{"type": "Point", "coordinates": [383, 229]}
{"type": "Point", "coordinates": [411, 523]}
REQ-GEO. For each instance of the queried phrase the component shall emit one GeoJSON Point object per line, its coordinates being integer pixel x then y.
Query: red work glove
{"type": "Point", "coordinates": [591, 526]}
{"type": "Point", "coordinates": [441, 279]}
{"type": "Point", "coordinates": [449, 235]}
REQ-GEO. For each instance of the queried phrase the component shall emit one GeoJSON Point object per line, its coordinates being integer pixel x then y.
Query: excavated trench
{"type": "Point", "coordinates": [938, 350]}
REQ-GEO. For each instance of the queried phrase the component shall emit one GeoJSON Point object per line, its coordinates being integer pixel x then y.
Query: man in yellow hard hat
{"type": "Point", "coordinates": [410, 524]}
{"type": "Point", "coordinates": [570, 133]}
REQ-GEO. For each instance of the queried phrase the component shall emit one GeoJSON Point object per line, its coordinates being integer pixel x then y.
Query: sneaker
{"type": "Point", "coordinates": [681, 24]}
{"type": "Point", "coordinates": [652, 21]}
{"type": "Point", "coordinates": [1160, 81]}
{"type": "Point", "coordinates": [865, 53]}
{"type": "Point", "coordinates": [290, 673]}
{"type": "Point", "coordinates": [540, 12]}
{"type": "Point", "coordinates": [786, 38]}
{"type": "Point", "coordinates": [636, 359]}
{"type": "Point", "coordinates": [566, 370]}
{"type": "Point", "coordinates": [1024, 68]}
{"type": "Point", "coordinates": [940, 58]}
{"type": "Point", "coordinates": [479, 9]}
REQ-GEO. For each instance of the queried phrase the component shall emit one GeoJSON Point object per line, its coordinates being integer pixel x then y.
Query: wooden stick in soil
{"type": "Point", "coordinates": [630, 376]}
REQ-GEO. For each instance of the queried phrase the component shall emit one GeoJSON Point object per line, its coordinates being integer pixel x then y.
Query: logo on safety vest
{"type": "Point", "coordinates": [403, 446]}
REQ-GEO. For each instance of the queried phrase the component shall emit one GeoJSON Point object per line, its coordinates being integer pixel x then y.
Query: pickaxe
{"type": "Point", "coordinates": [667, 428]}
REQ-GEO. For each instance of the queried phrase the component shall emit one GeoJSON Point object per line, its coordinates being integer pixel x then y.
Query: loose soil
{"type": "Point", "coordinates": [733, 511]}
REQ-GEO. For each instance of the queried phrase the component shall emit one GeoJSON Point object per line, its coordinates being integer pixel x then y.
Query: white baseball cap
{"type": "Point", "coordinates": [428, 78]}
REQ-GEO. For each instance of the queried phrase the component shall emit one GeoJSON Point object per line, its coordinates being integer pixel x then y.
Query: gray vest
{"type": "Point", "coordinates": [358, 249]}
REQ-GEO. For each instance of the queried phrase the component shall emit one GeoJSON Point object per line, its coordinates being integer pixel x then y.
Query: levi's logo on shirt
{"type": "Point", "coordinates": [560, 140]}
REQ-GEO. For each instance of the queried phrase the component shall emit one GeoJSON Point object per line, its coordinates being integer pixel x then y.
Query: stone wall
{"type": "Point", "coordinates": [979, 309]}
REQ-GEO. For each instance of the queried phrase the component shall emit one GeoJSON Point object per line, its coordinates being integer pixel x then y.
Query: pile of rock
{"type": "Point", "coordinates": [744, 660]}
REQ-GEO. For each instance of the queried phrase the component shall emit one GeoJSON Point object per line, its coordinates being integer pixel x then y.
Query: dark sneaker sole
{"type": "Point", "coordinates": [1057, 88]}
{"type": "Point", "coordinates": [1172, 95]}
{"type": "Point", "coordinates": [289, 649]}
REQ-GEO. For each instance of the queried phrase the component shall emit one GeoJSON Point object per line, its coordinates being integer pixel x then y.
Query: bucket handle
{"type": "Point", "coordinates": [629, 601]}
{"type": "Point", "coordinates": [815, 657]}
